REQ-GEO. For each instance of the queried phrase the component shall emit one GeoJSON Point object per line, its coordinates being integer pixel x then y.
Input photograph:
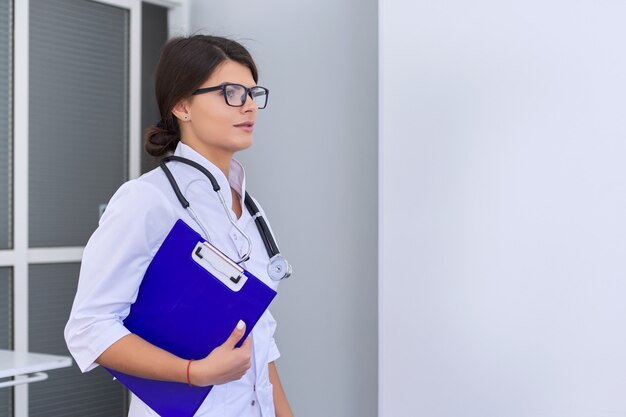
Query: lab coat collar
{"type": "Point", "coordinates": [236, 175]}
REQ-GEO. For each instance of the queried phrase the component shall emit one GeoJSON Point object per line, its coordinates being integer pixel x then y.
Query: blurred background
{"type": "Point", "coordinates": [446, 177]}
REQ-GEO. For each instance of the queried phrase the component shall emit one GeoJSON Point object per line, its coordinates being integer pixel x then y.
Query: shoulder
{"type": "Point", "coordinates": [145, 191]}
{"type": "Point", "coordinates": [142, 198]}
{"type": "Point", "coordinates": [139, 214]}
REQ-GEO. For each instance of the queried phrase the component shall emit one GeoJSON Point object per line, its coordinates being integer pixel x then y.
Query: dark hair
{"type": "Point", "coordinates": [186, 63]}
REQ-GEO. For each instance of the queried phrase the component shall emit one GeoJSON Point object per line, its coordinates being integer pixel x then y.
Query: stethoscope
{"type": "Point", "coordinates": [278, 267]}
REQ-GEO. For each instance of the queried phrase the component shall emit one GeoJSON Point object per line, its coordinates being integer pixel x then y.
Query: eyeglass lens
{"type": "Point", "coordinates": [236, 95]}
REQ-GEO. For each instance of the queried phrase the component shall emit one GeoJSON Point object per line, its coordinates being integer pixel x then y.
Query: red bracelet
{"type": "Point", "coordinates": [188, 365]}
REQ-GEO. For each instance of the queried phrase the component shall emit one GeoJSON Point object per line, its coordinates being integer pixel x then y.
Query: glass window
{"type": "Point", "coordinates": [68, 392]}
{"type": "Point", "coordinates": [78, 98]}
{"type": "Point", "coordinates": [6, 333]}
{"type": "Point", "coordinates": [6, 197]}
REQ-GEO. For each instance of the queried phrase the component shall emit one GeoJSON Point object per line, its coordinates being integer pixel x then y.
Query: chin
{"type": "Point", "coordinates": [242, 145]}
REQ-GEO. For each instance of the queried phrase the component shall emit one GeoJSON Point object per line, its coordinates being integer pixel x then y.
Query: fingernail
{"type": "Point", "coordinates": [241, 325]}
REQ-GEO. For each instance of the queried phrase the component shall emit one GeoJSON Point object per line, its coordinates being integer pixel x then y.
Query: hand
{"type": "Point", "coordinates": [225, 363]}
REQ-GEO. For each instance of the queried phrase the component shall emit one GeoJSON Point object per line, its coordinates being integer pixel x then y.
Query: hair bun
{"type": "Point", "coordinates": [161, 140]}
{"type": "Point", "coordinates": [162, 125]}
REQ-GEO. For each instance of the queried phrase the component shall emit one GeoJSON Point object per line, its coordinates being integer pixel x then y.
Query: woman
{"type": "Point", "coordinates": [207, 125]}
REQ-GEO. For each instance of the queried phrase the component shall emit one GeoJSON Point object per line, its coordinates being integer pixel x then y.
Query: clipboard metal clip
{"type": "Point", "coordinates": [219, 265]}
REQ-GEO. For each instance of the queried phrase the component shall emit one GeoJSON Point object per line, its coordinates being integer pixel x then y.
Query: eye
{"type": "Point", "coordinates": [233, 91]}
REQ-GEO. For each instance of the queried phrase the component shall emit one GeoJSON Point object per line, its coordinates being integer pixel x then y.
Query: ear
{"type": "Point", "coordinates": [181, 111]}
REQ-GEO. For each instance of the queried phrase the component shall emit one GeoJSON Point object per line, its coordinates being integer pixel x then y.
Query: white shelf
{"type": "Point", "coordinates": [13, 364]}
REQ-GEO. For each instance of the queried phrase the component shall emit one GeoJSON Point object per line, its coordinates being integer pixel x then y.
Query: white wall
{"type": "Point", "coordinates": [313, 166]}
{"type": "Point", "coordinates": [503, 193]}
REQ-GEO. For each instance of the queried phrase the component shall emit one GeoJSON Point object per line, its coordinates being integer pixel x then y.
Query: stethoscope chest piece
{"type": "Point", "coordinates": [278, 268]}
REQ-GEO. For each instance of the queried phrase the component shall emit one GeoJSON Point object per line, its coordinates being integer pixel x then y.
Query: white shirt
{"type": "Point", "coordinates": [136, 221]}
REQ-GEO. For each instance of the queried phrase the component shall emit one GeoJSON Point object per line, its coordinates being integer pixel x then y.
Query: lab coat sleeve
{"type": "Point", "coordinates": [134, 224]}
{"type": "Point", "coordinates": [274, 353]}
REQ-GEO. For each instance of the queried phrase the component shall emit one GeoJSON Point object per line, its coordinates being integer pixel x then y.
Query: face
{"type": "Point", "coordinates": [207, 123]}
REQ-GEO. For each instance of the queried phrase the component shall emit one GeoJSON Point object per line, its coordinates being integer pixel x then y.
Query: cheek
{"type": "Point", "coordinates": [215, 125]}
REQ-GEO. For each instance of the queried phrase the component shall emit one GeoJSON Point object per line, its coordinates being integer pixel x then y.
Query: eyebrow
{"type": "Point", "coordinates": [231, 82]}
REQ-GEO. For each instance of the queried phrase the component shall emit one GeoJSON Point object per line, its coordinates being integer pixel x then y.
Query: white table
{"type": "Point", "coordinates": [30, 367]}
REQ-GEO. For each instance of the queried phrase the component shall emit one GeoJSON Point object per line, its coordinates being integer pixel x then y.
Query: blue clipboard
{"type": "Point", "coordinates": [189, 302]}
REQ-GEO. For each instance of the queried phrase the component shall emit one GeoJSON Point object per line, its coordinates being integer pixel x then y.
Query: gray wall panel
{"type": "Point", "coordinates": [313, 167]}
{"type": "Point", "coordinates": [78, 116]}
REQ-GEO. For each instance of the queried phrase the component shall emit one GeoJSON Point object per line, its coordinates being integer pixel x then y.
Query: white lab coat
{"type": "Point", "coordinates": [133, 226]}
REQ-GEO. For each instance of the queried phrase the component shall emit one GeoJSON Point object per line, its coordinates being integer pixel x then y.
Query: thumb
{"type": "Point", "coordinates": [237, 334]}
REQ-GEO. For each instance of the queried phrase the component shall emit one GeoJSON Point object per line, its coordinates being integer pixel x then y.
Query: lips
{"type": "Point", "coordinates": [245, 124]}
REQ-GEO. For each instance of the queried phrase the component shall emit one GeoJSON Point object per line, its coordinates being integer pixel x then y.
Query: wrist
{"type": "Point", "coordinates": [188, 374]}
{"type": "Point", "coordinates": [200, 375]}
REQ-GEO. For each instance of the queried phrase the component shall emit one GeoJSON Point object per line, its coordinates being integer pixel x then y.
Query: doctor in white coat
{"type": "Point", "coordinates": [207, 125]}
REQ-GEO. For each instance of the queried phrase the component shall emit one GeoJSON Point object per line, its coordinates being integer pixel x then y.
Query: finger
{"type": "Point", "coordinates": [247, 344]}
{"type": "Point", "coordinates": [236, 335]}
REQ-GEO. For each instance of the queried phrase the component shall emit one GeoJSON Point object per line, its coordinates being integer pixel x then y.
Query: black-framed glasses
{"type": "Point", "coordinates": [235, 95]}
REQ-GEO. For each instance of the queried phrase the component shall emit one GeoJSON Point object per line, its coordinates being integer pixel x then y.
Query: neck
{"type": "Point", "coordinates": [218, 157]}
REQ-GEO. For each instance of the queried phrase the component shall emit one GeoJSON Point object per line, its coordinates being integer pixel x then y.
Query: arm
{"type": "Point", "coordinates": [280, 399]}
{"type": "Point", "coordinates": [114, 262]}
{"type": "Point", "coordinates": [134, 356]}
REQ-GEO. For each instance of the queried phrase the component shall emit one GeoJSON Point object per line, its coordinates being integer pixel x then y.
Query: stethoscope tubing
{"type": "Point", "coordinates": [266, 235]}
{"type": "Point", "coordinates": [270, 243]}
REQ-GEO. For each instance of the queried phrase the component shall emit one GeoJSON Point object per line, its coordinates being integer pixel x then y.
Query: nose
{"type": "Point", "coordinates": [250, 104]}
